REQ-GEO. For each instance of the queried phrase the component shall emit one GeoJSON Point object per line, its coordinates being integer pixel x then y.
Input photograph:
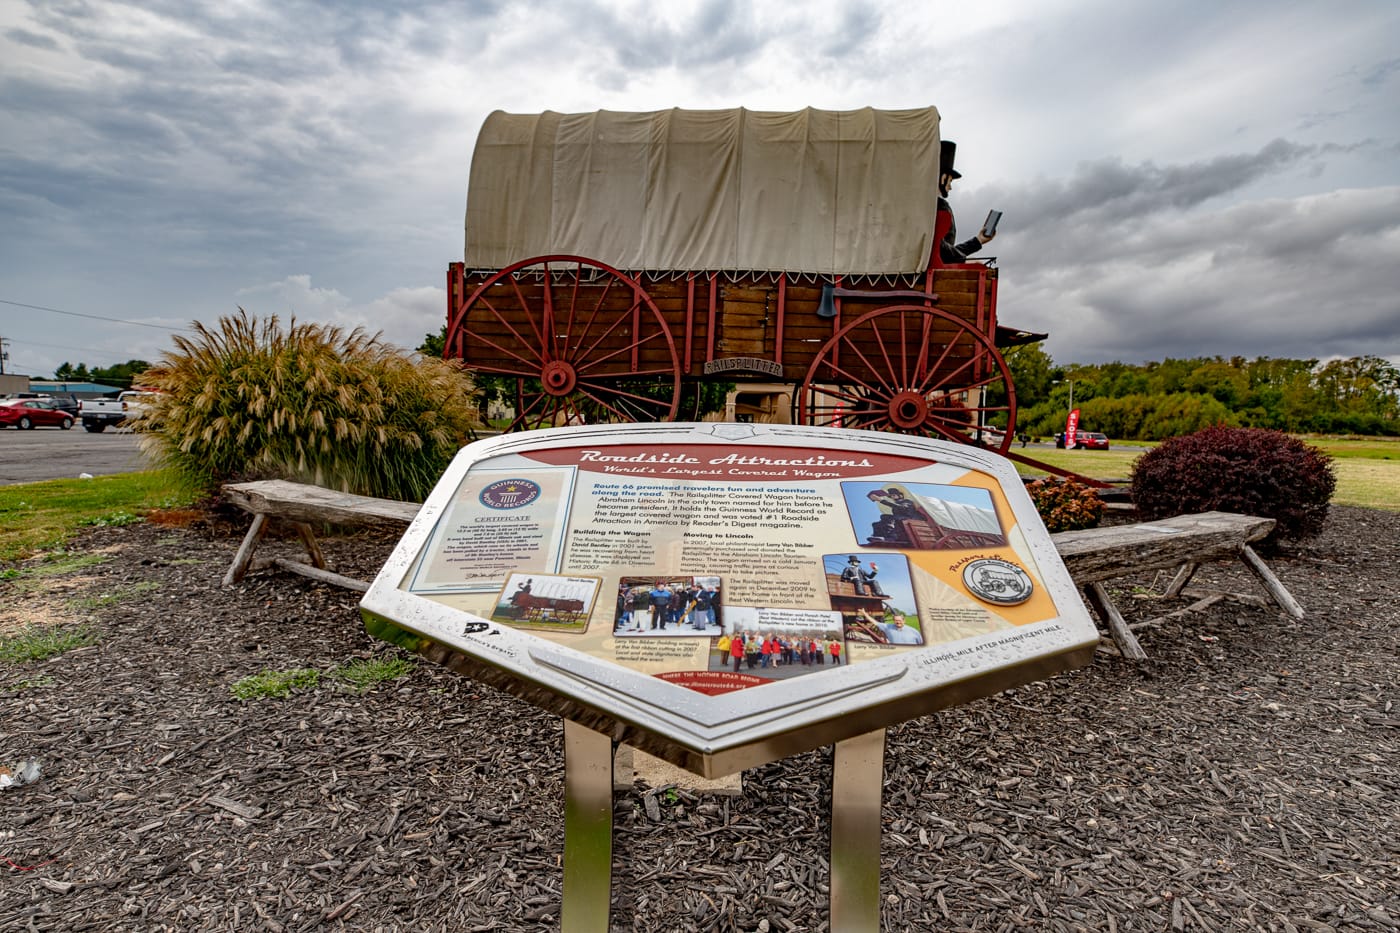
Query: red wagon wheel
{"type": "Point", "coordinates": [911, 370]}
{"type": "Point", "coordinates": [584, 342]}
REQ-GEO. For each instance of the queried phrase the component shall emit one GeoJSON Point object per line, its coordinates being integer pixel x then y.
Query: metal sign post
{"type": "Point", "coordinates": [722, 596]}
{"type": "Point", "coordinates": [857, 781]}
{"type": "Point", "coordinates": [588, 800]}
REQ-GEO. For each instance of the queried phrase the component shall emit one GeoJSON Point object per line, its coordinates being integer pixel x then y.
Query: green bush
{"type": "Point", "coordinates": [1251, 471]}
{"type": "Point", "coordinates": [1065, 505]}
{"type": "Point", "coordinates": [312, 403]}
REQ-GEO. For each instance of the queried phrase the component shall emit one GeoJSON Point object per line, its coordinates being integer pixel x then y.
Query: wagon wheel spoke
{"type": "Point", "coordinates": [848, 405]}
{"type": "Point", "coordinates": [597, 308]}
{"type": "Point", "coordinates": [525, 306]}
{"type": "Point", "coordinates": [616, 392]}
{"type": "Point", "coordinates": [953, 377]}
{"type": "Point", "coordinates": [936, 373]}
{"type": "Point", "coordinates": [617, 404]}
{"type": "Point", "coordinates": [618, 321]}
{"type": "Point", "coordinates": [523, 342]}
{"type": "Point", "coordinates": [583, 339]}
{"type": "Point", "coordinates": [593, 315]}
{"type": "Point", "coordinates": [526, 365]}
{"type": "Point", "coordinates": [595, 362]}
{"type": "Point", "coordinates": [527, 406]}
{"type": "Point", "coordinates": [884, 371]}
{"type": "Point", "coordinates": [573, 303]}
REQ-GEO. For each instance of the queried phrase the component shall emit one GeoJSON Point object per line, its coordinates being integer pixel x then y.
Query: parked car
{"type": "Point", "coordinates": [1084, 440]}
{"type": "Point", "coordinates": [66, 401]}
{"type": "Point", "coordinates": [28, 413]}
{"type": "Point", "coordinates": [98, 414]}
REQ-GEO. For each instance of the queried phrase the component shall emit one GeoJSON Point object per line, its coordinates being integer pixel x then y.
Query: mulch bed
{"type": "Point", "coordinates": [1244, 778]}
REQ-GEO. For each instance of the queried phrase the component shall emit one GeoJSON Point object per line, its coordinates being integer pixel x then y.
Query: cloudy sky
{"type": "Point", "coordinates": [1184, 179]}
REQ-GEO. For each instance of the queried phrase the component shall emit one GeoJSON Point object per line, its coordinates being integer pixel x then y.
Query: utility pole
{"type": "Point", "coordinates": [1071, 391]}
{"type": "Point", "coordinates": [4, 354]}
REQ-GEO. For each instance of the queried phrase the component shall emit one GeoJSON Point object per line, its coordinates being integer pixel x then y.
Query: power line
{"type": "Point", "coordinates": [59, 346]}
{"type": "Point", "coordinates": [95, 317]}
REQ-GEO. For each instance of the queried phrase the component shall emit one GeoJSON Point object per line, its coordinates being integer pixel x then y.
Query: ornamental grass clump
{"type": "Point", "coordinates": [1250, 471]}
{"type": "Point", "coordinates": [312, 403]}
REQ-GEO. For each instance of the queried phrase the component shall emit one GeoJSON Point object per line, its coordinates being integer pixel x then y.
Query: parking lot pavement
{"type": "Point", "coordinates": [49, 453]}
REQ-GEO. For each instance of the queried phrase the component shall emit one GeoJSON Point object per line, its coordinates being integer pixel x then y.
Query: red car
{"type": "Point", "coordinates": [29, 413]}
{"type": "Point", "coordinates": [1085, 440]}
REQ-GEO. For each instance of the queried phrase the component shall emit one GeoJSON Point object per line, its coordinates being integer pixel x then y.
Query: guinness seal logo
{"type": "Point", "coordinates": [510, 494]}
{"type": "Point", "coordinates": [997, 581]}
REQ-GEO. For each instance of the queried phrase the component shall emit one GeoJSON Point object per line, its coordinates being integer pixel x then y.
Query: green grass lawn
{"type": "Point", "coordinates": [37, 517]}
{"type": "Point", "coordinates": [42, 516]}
{"type": "Point", "coordinates": [1368, 469]}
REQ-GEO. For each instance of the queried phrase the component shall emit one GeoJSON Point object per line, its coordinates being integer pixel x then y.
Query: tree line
{"type": "Point", "coordinates": [1157, 400]}
{"type": "Point", "coordinates": [1147, 401]}
{"type": "Point", "coordinates": [119, 375]}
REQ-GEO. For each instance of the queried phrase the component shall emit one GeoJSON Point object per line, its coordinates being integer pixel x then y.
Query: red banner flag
{"type": "Point", "coordinates": [1071, 429]}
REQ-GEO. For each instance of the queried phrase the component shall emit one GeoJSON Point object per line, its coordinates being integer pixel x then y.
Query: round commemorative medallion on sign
{"type": "Point", "coordinates": [510, 493]}
{"type": "Point", "coordinates": [994, 580]}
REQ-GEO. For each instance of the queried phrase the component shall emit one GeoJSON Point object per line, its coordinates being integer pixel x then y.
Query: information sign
{"type": "Point", "coordinates": [725, 595]}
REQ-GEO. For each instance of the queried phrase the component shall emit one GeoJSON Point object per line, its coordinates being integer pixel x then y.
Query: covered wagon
{"type": "Point", "coordinates": [614, 262]}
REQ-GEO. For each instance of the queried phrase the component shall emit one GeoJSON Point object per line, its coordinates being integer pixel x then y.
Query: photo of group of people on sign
{"type": "Point", "coordinates": [775, 644]}
{"type": "Point", "coordinates": [676, 606]}
{"type": "Point", "coordinates": [870, 597]}
{"type": "Point", "coordinates": [773, 653]}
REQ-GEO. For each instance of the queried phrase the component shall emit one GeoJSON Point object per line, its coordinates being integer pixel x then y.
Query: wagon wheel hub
{"type": "Point", "coordinates": [908, 409]}
{"type": "Point", "coordinates": [558, 377]}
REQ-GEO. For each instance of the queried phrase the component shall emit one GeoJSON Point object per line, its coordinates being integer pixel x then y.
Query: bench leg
{"type": "Point", "coordinates": [1123, 636]}
{"type": "Point", "coordinates": [1183, 576]}
{"type": "Point", "coordinates": [1273, 584]}
{"type": "Point", "coordinates": [244, 556]}
{"type": "Point", "coordinates": [313, 549]}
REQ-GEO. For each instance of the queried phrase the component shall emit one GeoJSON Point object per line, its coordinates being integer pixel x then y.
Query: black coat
{"type": "Point", "coordinates": [951, 251]}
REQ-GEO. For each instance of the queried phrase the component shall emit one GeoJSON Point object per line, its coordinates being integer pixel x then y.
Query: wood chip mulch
{"type": "Point", "coordinates": [1245, 778]}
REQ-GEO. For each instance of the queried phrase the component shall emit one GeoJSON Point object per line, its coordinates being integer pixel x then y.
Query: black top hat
{"type": "Point", "coordinates": [854, 560]}
{"type": "Point", "coordinates": [947, 152]}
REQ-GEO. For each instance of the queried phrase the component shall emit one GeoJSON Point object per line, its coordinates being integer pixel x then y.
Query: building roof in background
{"type": "Point", "coordinates": [77, 388]}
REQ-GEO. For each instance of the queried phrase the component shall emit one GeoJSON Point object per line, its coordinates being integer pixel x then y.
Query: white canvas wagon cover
{"type": "Point", "coordinates": [820, 191]}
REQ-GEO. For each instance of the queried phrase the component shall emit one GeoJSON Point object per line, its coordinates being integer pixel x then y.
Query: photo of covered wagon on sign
{"type": "Point", "coordinates": [618, 267]}
{"type": "Point", "coordinates": [922, 516]}
{"type": "Point", "coordinates": [538, 600]}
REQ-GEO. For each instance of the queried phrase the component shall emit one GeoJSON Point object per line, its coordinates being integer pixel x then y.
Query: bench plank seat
{"type": "Point", "coordinates": [304, 503]}
{"type": "Point", "coordinates": [1184, 542]}
{"type": "Point", "coordinates": [303, 506]}
{"type": "Point", "coordinates": [1091, 556]}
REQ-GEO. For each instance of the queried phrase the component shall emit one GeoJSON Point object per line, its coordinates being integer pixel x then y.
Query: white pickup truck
{"type": "Point", "coordinates": [100, 413]}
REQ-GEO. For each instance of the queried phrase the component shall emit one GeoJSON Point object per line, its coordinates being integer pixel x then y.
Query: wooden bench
{"type": "Point", "coordinates": [1091, 556]}
{"type": "Point", "coordinates": [303, 506]}
{"type": "Point", "coordinates": [1182, 543]}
